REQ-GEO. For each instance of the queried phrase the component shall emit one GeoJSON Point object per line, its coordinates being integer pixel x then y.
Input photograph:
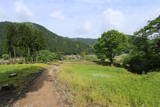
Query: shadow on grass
{"type": "Point", "coordinates": [8, 97]}
{"type": "Point", "coordinates": [108, 64]}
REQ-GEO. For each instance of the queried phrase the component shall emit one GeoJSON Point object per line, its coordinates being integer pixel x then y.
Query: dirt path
{"type": "Point", "coordinates": [42, 93]}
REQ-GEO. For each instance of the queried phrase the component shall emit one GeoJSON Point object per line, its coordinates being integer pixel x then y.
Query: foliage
{"type": "Point", "coordinates": [5, 56]}
{"type": "Point", "coordinates": [90, 58]}
{"type": "Point", "coordinates": [88, 41]}
{"type": "Point", "coordinates": [23, 72]}
{"type": "Point", "coordinates": [46, 56]}
{"type": "Point", "coordinates": [152, 27]}
{"type": "Point", "coordinates": [23, 41]}
{"type": "Point", "coordinates": [145, 53]}
{"type": "Point", "coordinates": [109, 86]}
{"type": "Point", "coordinates": [120, 59]}
{"type": "Point", "coordinates": [52, 41]}
{"type": "Point", "coordinates": [111, 44]}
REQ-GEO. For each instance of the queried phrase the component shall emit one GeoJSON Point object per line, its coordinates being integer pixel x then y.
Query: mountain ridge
{"type": "Point", "coordinates": [53, 41]}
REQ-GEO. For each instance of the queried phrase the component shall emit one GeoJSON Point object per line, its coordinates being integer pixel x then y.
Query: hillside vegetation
{"type": "Point", "coordinates": [92, 84]}
{"type": "Point", "coordinates": [53, 42]}
{"type": "Point", "coordinates": [88, 41]}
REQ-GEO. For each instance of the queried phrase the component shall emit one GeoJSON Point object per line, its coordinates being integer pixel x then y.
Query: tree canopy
{"type": "Point", "coordinates": [110, 44]}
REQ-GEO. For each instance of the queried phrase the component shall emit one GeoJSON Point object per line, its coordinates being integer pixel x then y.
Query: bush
{"type": "Point", "coordinates": [5, 56]}
{"type": "Point", "coordinates": [120, 59]}
{"type": "Point", "coordinates": [46, 56]}
{"type": "Point", "coordinates": [90, 58]}
{"type": "Point", "coordinates": [137, 64]}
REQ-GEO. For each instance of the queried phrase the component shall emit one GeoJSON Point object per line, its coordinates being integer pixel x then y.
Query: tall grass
{"type": "Point", "coordinates": [110, 86]}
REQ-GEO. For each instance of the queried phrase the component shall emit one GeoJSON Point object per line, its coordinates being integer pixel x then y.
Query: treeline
{"type": "Point", "coordinates": [52, 41]}
{"type": "Point", "coordinates": [142, 49]}
{"type": "Point", "coordinates": [23, 41]}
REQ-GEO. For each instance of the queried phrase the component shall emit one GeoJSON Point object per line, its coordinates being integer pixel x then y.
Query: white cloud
{"type": "Point", "coordinates": [114, 19]}
{"type": "Point", "coordinates": [58, 15]}
{"type": "Point", "coordinates": [23, 11]}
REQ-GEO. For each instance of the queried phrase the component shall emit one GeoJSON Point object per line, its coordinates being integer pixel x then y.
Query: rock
{"type": "Point", "coordinates": [7, 87]}
{"type": "Point", "coordinates": [13, 75]}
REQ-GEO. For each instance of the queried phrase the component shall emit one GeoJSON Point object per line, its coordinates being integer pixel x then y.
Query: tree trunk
{"type": "Point", "coordinates": [28, 51]}
{"type": "Point", "coordinates": [36, 57]}
{"type": "Point", "coordinates": [28, 54]}
{"type": "Point", "coordinates": [10, 56]}
{"type": "Point", "coordinates": [14, 54]}
{"type": "Point", "coordinates": [111, 60]}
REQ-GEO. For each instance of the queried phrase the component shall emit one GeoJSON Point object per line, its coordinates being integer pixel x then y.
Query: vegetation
{"type": "Point", "coordinates": [145, 53]}
{"type": "Point", "coordinates": [47, 56]}
{"type": "Point", "coordinates": [23, 72]}
{"type": "Point", "coordinates": [111, 44]}
{"type": "Point", "coordinates": [23, 41]}
{"type": "Point", "coordinates": [90, 58]}
{"type": "Point", "coordinates": [52, 41]}
{"type": "Point", "coordinates": [142, 49]}
{"type": "Point", "coordinates": [90, 84]}
{"type": "Point", "coordinates": [5, 56]}
{"type": "Point", "coordinates": [109, 86]}
{"type": "Point", "coordinates": [88, 41]}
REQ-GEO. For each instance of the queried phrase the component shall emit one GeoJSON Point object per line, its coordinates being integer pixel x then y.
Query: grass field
{"type": "Point", "coordinates": [92, 84]}
{"type": "Point", "coordinates": [22, 70]}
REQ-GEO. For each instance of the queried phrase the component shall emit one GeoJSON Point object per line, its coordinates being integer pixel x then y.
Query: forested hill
{"type": "Point", "coordinates": [52, 41]}
{"type": "Point", "coordinates": [88, 41]}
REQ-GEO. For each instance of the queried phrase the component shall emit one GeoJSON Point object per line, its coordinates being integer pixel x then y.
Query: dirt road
{"type": "Point", "coordinates": [42, 93]}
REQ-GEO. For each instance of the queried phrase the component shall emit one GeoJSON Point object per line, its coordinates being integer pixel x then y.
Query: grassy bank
{"type": "Point", "coordinates": [22, 70]}
{"type": "Point", "coordinates": [92, 84]}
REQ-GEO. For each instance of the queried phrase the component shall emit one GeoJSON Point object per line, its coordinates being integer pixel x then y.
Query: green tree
{"type": "Point", "coordinates": [145, 54]}
{"type": "Point", "coordinates": [11, 33]}
{"type": "Point", "coordinates": [30, 40]}
{"type": "Point", "coordinates": [110, 44]}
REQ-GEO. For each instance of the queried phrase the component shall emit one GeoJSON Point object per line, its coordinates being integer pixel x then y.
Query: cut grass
{"type": "Point", "coordinates": [110, 86]}
{"type": "Point", "coordinates": [22, 70]}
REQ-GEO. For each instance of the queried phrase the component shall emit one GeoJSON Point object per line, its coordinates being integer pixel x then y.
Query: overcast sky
{"type": "Point", "coordinates": [82, 18]}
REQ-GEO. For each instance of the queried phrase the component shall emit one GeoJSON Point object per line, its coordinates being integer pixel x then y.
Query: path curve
{"type": "Point", "coordinates": [42, 93]}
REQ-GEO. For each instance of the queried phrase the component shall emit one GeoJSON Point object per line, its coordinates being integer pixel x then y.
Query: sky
{"type": "Point", "coordinates": [82, 18]}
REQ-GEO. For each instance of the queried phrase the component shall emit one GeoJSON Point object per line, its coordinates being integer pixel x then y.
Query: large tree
{"type": "Point", "coordinates": [110, 44]}
{"type": "Point", "coordinates": [145, 54]}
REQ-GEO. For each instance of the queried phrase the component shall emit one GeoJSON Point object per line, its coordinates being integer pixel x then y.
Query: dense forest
{"type": "Point", "coordinates": [52, 41]}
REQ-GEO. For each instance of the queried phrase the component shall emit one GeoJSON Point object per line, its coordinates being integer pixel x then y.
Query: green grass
{"type": "Point", "coordinates": [22, 70]}
{"type": "Point", "coordinates": [110, 86]}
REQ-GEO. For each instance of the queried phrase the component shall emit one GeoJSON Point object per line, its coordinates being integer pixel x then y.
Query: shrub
{"type": "Point", "coordinates": [46, 56]}
{"type": "Point", "coordinates": [5, 56]}
{"type": "Point", "coordinates": [120, 59]}
{"type": "Point", "coordinates": [137, 64]}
